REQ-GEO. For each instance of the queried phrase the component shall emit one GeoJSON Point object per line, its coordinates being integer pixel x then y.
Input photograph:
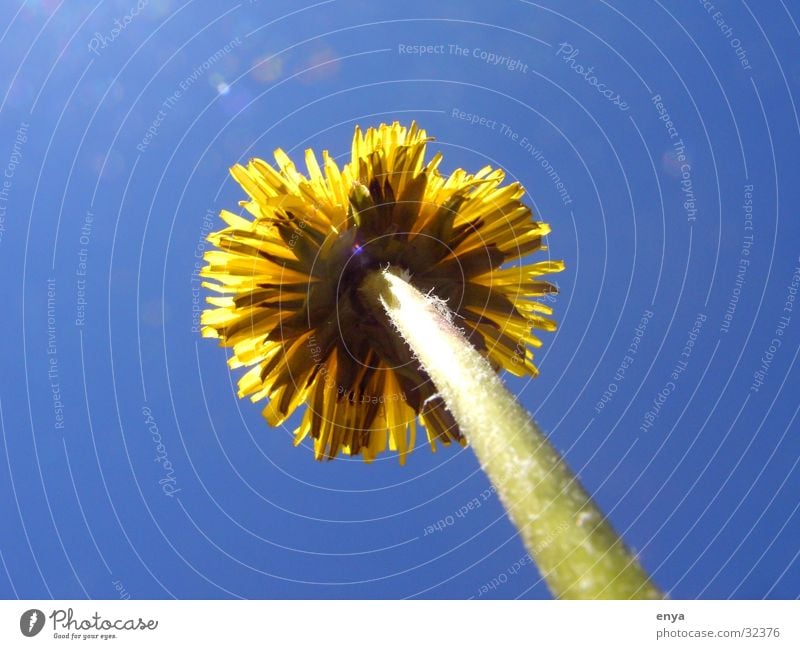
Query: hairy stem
{"type": "Point", "coordinates": [576, 549]}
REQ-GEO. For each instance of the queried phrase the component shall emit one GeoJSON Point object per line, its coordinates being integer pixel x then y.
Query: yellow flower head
{"type": "Point", "coordinates": [289, 279]}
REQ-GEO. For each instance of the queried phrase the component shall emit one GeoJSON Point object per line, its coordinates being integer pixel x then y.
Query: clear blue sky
{"type": "Point", "coordinates": [673, 132]}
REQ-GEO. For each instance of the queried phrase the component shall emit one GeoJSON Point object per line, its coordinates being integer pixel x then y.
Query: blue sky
{"type": "Point", "coordinates": [659, 142]}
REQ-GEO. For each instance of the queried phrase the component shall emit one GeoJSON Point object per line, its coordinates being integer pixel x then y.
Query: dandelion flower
{"type": "Point", "coordinates": [289, 278]}
{"type": "Point", "coordinates": [381, 294]}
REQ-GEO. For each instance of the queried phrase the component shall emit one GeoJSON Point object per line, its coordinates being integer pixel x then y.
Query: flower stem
{"type": "Point", "coordinates": [576, 549]}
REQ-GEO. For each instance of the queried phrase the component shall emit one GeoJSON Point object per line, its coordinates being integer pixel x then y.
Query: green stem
{"type": "Point", "coordinates": [576, 549]}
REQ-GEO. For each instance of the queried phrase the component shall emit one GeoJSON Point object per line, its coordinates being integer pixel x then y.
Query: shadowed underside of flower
{"type": "Point", "coordinates": [289, 278]}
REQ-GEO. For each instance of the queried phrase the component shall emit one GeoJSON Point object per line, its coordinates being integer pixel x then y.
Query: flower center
{"type": "Point", "coordinates": [360, 259]}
